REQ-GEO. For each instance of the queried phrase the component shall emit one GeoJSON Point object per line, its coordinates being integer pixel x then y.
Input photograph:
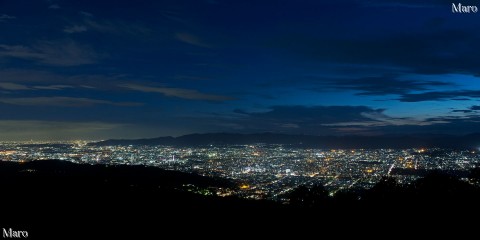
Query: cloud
{"type": "Point", "coordinates": [306, 120]}
{"type": "Point", "coordinates": [317, 114]}
{"type": "Point", "coordinates": [191, 39]}
{"type": "Point", "coordinates": [426, 52]}
{"type": "Point", "coordinates": [408, 90]}
{"type": "Point", "coordinates": [175, 16]}
{"type": "Point", "coordinates": [54, 6]}
{"type": "Point", "coordinates": [439, 125]}
{"type": "Point", "coordinates": [75, 29]}
{"type": "Point", "coordinates": [439, 96]}
{"type": "Point", "coordinates": [472, 109]}
{"type": "Point", "coordinates": [290, 125]}
{"type": "Point", "coordinates": [57, 53]}
{"type": "Point", "coordinates": [30, 76]}
{"type": "Point", "coordinates": [179, 93]}
{"type": "Point", "coordinates": [18, 51]}
{"type": "Point", "coordinates": [48, 80]}
{"type": "Point", "coordinates": [475, 108]}
{"type": "Point", "coordinates": [407, 3]}
{"type": "Point", "coordinates": [462, 111]}
{"type": "Point", "coordinates": [53, 87]}
{"type": "Point", "coordinates": [117, 27]}
{"type": "Point", "coordinates": [414, 3]}
{"type": "Point", "coordinates": [385, 122]}
{"type": "Point", "coordinates": [86, 14]}
{"type": "Point", "coordinates": [34, 80]}
{"type": "Point", "coordinates": [5, 17]}
{"type": "Point", "coordinates": [324, 120]}
{"type": "Point", "coordinates": [61, 102]}
{"type": "Point", "coordinates": [190, 78]}
{"type": "Point", "coordinates": [383, 85]}
{"type": "Point", "coordinates": [13, 86]}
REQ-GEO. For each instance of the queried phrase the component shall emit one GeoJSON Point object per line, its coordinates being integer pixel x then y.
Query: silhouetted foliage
{"type": "Point", "coordinates": [475, 175]}
{"type": "Point", "coordinates": [441, 187]}
{"type": "Point", "coordinates": [309, 196]}
{"type": "Point", "coordinates": [349, 196]}
{"type": "Point", "coordinates": [66, 191]}
{"type": "Point", "coordinates": [387, 189]}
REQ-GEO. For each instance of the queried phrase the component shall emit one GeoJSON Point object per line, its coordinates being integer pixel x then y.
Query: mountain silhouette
{"type": "Point", "coordinates": [381, 141]}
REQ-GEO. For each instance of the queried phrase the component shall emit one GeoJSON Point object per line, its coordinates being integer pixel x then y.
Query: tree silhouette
{"type": "Point", "coordinates": [439, 186]}
{"type": "Point", "coordinates": [348, 196]}
{"type": "Point", "coordinates": [474, 175]}
{"type": "Point", "coordinates": [387, 189]}
{"type": "Point", "coordinates": [309, 196]}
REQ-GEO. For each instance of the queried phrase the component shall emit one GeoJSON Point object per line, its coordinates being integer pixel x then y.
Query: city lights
{"type": "Point", "coordinates": [263, 171]}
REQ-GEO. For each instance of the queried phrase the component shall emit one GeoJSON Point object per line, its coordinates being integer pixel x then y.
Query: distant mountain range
{"type": "Point", "coordinates": [384, 141]}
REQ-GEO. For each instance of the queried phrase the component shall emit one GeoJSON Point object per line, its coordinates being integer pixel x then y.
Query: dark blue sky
{"type": "Point", "coordinates": [132, 69]}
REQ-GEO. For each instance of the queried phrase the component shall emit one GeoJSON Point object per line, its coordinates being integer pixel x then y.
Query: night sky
{"type": "Point", "coordinates": [137, 69]}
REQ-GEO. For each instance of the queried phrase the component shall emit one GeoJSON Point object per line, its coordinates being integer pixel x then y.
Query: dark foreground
{"type": "Point", "coordinates": [62, 200]}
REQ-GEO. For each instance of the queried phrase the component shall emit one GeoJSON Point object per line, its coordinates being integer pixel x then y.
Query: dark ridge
{"type": "Point", "coordinates": [471, 141]}
{"type": "Point", "coordinates": [55, 199]}
{"type": "Point", "coordinates": [58, 200]}
{"type": "Point", "coordinates": [426, 172]}
{"type": "Point", "coordinates": [106, 175]}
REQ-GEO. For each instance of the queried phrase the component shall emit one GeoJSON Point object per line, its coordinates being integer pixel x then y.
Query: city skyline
{"type": "Point", "coordinates": [98, 70]}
